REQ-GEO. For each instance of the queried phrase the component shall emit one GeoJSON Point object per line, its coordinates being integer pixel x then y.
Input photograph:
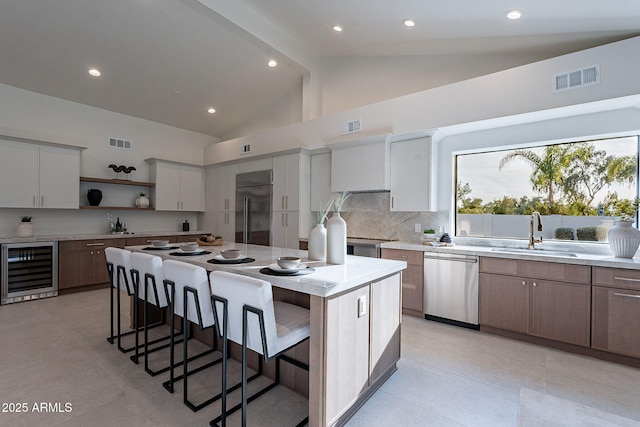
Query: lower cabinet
{"type": "Point", "coordinates": [522, 299]}
{"type": "Point", "coordinates": [83, 262]}
{"type": "Point", "coordinates": [412, 279]}
{"type": "Point", "coordinates": [616, 311]}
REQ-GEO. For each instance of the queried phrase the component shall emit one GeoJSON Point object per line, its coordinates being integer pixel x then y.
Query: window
{"type": "Point", "coordinates": [579, 188]}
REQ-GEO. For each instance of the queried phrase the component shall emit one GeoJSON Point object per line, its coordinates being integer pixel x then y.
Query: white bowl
{"type": "Point", "coordinates": [159, 242]}
{"type": "Point", "coordinates": [189, 247]}
{"type": "Point", "coordinates": [288, 262]}
{"type": "Point", "coordinates": [230, 253]}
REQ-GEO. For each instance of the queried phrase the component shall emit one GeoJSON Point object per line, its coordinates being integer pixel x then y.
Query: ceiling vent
{"type": "Point", "coordinates": [246, 148]}
{"type": "Point", "coordinates": [351, 127]}
{"type": "Point", "coordinates": [575, 79]}
{"type": "Point", "coordinates": [119, 143]}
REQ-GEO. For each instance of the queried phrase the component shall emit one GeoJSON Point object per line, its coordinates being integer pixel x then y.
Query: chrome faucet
{"type": "Point", "coordinates": [532, 240]}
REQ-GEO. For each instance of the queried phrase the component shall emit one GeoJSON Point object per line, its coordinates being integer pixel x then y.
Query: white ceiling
{"type": "Point", "coordinates": [214, 52]}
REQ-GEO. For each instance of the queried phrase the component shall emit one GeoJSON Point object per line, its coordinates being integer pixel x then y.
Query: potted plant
{"type": "Point", "coordinates": [25, 228]}
{"type": "Point", "coordinates": [142, 201]}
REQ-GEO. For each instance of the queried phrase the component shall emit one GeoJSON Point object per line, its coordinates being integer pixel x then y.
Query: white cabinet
{"type": "Point", "coordinates": [320, 180]}
{"type": "Point", "coordinates": [179, 187]}
{"type": "Point", "coordinates": [410, 175]}
{"type": "Point", "coordinates": [285, 229]}
{"type": "Point", "coordinates": [286, 182]}
{"type": "Point", "coordinates": [227, 201]}
{"type": "Point", "coordinates": [40, 176]}
{"type": "Point", "coordinates": [361, 165]}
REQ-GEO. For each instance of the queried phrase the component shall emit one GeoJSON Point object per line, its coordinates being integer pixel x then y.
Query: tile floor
{"type": "Point", "coordinates": [54, 352]}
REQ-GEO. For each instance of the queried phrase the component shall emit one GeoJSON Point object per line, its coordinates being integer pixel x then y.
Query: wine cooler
{"type": "Point", "coordinates": [29, 271]}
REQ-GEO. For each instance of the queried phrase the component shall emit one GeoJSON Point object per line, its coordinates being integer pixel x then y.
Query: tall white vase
{"type": "Point", "coordinates": [318, 243]}
{"type": "Point", "coordinates": [624, 239]}
{"type": "Point", "coordinates": [336, 239]}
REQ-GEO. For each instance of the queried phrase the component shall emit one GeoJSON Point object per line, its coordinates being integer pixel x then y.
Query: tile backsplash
{"type": "Point", "coordinates": [368, 216]}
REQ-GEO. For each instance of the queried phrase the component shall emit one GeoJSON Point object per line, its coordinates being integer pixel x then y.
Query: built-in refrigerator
{"type": "Point", "coordinates": [253, 207]}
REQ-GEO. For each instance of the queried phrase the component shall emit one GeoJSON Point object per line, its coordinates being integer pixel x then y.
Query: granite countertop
{"type": "Point", "coordinates": [327, 279]}
{"type": "Point", "coordinates": [63, 237]}
{"type": "Point", "coordinates": [581, 258]}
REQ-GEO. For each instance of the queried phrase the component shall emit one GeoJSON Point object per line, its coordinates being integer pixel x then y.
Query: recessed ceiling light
{"type": "Point", "coordinates": [409, 22]}
{"type": "Point", "coordinates": [337, 28]}
{"type": "Point", "coordinates": [513, 14]}
{"type": "Point", "coordinates": [211, 110]}
{"type": "Point", "coordinates": [95, 72]}
{"type": "Point", "coordinates": [272, 63]}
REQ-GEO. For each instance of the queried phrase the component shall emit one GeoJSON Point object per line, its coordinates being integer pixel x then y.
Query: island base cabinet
{"type": "Point", "coordinates": [616, 320]}
{"type": "Point", "coordinates": [355, 336]}
{"type": "Point", "coordinates": [82, 263]}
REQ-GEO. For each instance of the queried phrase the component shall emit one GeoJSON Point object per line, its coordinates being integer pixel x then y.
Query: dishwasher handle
{"type": "Point", "coordinates": [470, 260]}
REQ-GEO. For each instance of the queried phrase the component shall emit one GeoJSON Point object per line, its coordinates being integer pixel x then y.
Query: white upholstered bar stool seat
{"type": "Point", "coordinates": [269, 327]}
{"type": "Point", "coordinates": [148, 275]}
{"type": "Point", "coordinates": [119, 268]}
{"type": "Point", "coordinates": [190, 298]}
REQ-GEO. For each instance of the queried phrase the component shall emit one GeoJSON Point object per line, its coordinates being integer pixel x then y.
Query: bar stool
{"type": "Point", "coordinates": [118, 262]}
{"type": "Point", "coordinates": [151, 291]}
{"type": "Point", "coordinates": [249, 316]}
{"type": "Point", "coordinates": [188, 293]}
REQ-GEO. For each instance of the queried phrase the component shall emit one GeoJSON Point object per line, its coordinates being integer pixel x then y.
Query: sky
{"type": "Point", "coordinates": [488, 182]}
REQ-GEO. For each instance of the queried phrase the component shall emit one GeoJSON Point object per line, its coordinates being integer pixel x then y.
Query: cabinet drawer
{"type": "Point", "coordinates": [617, 278]}
{"type": "Point", "coordinates": [412, 288]}
{"type": "Point", "coordinates": [616, 314]}
{"type": "Point", "coordinates": [135, 241]}
{"type": "Point", "coordinates": [537, 270]}
{"type": "Point", "coordinates": [411, 257]}
{"type": "Point", "coordinates": [80, 245]}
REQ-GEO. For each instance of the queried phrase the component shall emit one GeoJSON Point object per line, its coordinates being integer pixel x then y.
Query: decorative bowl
{"type": "Point", "coordinates": [230, 253]}
{"type": "Point", "coordinates": [159, 242]}
{"type": "Point", "coordinates": [189, 247]}
{"type": "Point", "coordinates": [288, 262]}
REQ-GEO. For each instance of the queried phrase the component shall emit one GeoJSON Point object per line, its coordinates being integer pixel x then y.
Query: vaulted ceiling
{"type": "Point", "coordinates": [170, 60]}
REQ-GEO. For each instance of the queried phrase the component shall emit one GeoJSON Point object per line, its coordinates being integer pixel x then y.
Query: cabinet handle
{"type": "Point", "coordinates": [282, 201]}
{"type": "Point", "coordinates": [524, 283]}
{"type": "Point", "coordinates": [287, 219]}
{"type": "Point", "coordinates": [626, 279]}
{"type": "Point", "coordinates": [91, 253]}
{"type": "Point", "coordinates": [391, 202]}
{"type": "Point", "coordinates": [42, 201]}
{"type": "Point", "coordinates": [181, 205]}
{"type": "Point", "coordinates": [95, 244]}
{"type": "Point", "coordinates": [286, 198]}
{"type": "Point", "coordinates": [626, 295]}
{"type": "Point", "coordinates": [34, 200]}
{"type": "Point", "coordinates": [535, 284]}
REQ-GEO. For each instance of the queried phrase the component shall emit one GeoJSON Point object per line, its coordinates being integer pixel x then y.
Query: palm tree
{"type": "Point", "coordinates": [548, 168]}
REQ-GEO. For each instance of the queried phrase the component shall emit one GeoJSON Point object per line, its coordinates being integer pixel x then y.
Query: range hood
{"type": "Point", "coordinates": [361, 164]}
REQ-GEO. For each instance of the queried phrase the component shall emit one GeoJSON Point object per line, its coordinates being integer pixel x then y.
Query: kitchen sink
{"type": "Point", "coordinates": [535, 251]}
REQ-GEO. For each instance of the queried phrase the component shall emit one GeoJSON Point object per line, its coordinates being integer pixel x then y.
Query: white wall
{"type": "Point", "coordinates": [519, 90]}
{"type": "Point", "coordinates": [39, 117]}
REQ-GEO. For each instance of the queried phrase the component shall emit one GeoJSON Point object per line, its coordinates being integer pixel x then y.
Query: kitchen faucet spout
{"type": "Point", "coordinates": [532, 239]}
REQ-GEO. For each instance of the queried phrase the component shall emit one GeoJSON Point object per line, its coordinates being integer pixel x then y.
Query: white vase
{"type": "Point", "coordinates": [336, 239]}
{"type": "Point", "coordinates": [624, 239]}
{"type": "Point", "coordinates": [142, 202]}
{"type": "Point", "coordinates": [318, 243]}
{"type": "Point", "coordinates": [25, 229]}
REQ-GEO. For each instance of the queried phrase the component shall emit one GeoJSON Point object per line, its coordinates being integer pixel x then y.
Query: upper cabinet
{"type": "Point", "coordinates": [179, 186]}
{"type": "Point", "coordinates": [361, 164]}
{"type": "Point", "coordinates": [286, 182]}
{"type": "Point", "coordinates": [410, 175]}
{"type": "Point", "coordinates": [39, 176]}
{"type": "Point", "coordinates": [320, 180]}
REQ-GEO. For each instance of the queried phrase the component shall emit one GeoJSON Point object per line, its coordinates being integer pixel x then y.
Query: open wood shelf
{"type": "Point", "coordinates": [116, 208]}
{"type": "Point", "coordinates": [117, 181]}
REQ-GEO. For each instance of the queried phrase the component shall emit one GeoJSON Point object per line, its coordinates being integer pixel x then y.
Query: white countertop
{"type": "Point", "coordinates": [64, 237]}
{"type": "Point", "coordinates": [595, 260]}
{"type": "Point", "coordinates": [325, 281]}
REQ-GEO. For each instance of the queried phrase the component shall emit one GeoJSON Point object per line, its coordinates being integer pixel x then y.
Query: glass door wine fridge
{"type": "Point", "coordinates": [29, 271]}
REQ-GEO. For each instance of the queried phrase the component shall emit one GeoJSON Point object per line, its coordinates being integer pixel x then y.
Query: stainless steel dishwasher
{"type": "Point", "coordinates": [451, 288]}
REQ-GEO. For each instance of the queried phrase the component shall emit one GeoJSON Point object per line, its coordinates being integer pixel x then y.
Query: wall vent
{"type": "Point", "coordinates": [351, 127]}
{"type": "Point", "coordinates": [575, 79]}
{"type": "Point", "coordinates": [119, 143]}
{"type": "Point", "coordinates": [246, 148]}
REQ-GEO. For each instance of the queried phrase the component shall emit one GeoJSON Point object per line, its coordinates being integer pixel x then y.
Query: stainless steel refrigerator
{"type": "Point", "coordinates": [253, 207]}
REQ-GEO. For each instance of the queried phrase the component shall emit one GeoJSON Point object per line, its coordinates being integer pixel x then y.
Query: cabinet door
{"type": "Point", "coordinates": [320, 180]}
{"type": "Point", "coordinates": [410, 175]}
{"type": "Point", "coordinates": [503, 302]}
{"type": "Point", "coordinates": [75, 268]}
{"type": "Point", "coordinates": [561, 311]}
{"type": "Point", "coordinates": [192, 188]}
{"type": "Point", "coordinates": [226, 226]}
{"type": "Point", "coordinates": [227, 187]}
{"type": "Point", "coordinates": [616, 316]}
{"type": "Point", "coordinates": [59, 178]}
{"type": "Point", "coordinates": [285, 229]}
{"type": "Point", "coordinates": [19, 171]}
{"type": "Point", "coordinates": [385, 325]}
{"type": "Point", "coordinates": [167, 179]}
{"type": "Point", "coordinates": [286, 182]}
{"type": "Point", "coordinates": [412, 288]}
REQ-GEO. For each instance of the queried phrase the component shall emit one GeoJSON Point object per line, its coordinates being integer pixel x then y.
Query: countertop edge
{"type": "Point", "coordinates": [65, 237]}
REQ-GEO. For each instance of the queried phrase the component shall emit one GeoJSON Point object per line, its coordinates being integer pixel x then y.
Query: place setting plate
{"type": "Point", "coordinates": [219, 259]}
{"type": "Point", "coordinates": [160, 248]}
{"type": "Point", "coordinates": [181, 252]}
{"type": "Point", "coordinates": [275, 270]}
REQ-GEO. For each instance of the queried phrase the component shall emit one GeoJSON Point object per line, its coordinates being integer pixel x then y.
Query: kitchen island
{"type": "Point", "coordinates": [355, 314]}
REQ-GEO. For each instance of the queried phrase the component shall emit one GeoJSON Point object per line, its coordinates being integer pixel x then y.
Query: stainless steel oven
{"type": "Point", "coordinates": [365, 247]}
{"type": "Point", "coordinates": [28, 271]}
